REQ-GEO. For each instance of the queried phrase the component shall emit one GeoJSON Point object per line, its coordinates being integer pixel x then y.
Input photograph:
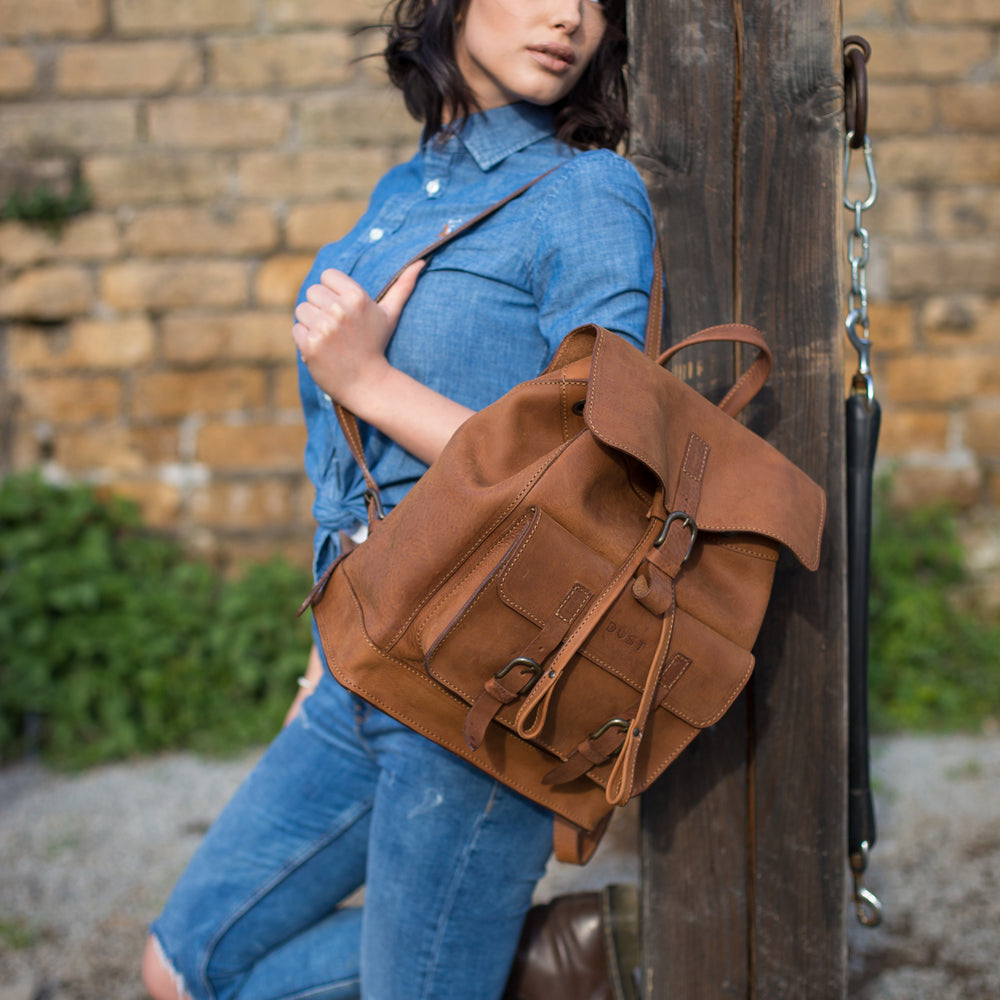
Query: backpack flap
{"type": "Point", "coordinates": [747, 485]}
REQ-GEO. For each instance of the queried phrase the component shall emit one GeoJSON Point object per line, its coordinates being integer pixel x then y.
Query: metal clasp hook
{"type": "Point", "coordinates": [867, 906]}
{"type": "Point", "coordinates": [862, 379]}
{"type": "Point", "coordinates": [855, 206]}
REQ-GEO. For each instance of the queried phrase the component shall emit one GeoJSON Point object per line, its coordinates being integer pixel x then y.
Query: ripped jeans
{"type": "Point", "coordinates": [345, 797]}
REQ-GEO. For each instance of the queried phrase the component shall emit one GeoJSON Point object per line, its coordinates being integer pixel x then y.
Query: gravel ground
{"type": "Point", "coordinates": [86, 860]}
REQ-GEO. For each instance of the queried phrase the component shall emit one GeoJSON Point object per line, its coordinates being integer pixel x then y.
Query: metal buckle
{"type": "Point", "coordinates": [622, 724]}
{"type": "Point", "coordinates": [525, 662]}
{"type": "Point", "coordinates": [687, 521]}
{"type": "Point", "coordinates": [374, 503]}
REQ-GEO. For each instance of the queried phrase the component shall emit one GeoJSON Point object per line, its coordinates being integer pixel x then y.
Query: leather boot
{"type": "Point", "coordinates": [583, 946]}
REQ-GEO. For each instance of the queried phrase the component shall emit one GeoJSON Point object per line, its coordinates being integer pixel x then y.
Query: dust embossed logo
{"type": "Point", "coordinates": [623, 635]}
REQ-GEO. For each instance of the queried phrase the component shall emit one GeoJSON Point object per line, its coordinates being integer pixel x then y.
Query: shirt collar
{"type": "Point", "coordinates": [491, 136]}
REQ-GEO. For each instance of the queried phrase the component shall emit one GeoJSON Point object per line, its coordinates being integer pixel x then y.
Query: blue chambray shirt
{"type": "Point", "coordinates": [490, 308]}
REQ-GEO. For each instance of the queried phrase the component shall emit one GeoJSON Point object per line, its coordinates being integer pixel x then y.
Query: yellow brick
{"type": "Point", "coordinates": [929, 161]}
{"type": "Point", "coordinates": [113, 448]}
{"type": "Point", "coordinates": [926, 379]}
{"type": "Point", "coordinates": [897, 212]}
{"type": "Point", "coordinates": [17, 72]}
{"type": "Point", "coordinates": [971, 106]}
{"type": "Point", "coordinates": [970, 266]}
{"type": "Point", "coordinates": [280, 61]}
{"type": "Point", "coordinates": [159, 502]}
{"type": "Point", "coordinates": [906, 431]}
{"type": "Point", "coordinates": [350, 118]}
{"type": "Point", "coordinates": [982, 432]}
{"type": "Point", "coordinates": [864, 12]}
{"type": "Point", "coordinates": [961, 321]}
{"type": "Point", "coordinates": [252, 447]}
{"type": "Point", "coordinates": [195, 231]}
{"type": "Point", "coordinates": [128, 68]}
{"type": "Point", "coordinates": [969, 212]}
{"type": "Point", "coordinates": [134, 286]}
{"type": "Point", "coordinates": [343, 14]}
{"type": "Point", "coordinates": [371, 46]}
{"type": "Point", "coordinates": [928, 483]}
{"type": "Point", "coordinates": [279, 279]}
{"type": "Point", "coordinates": [312, 174]}
{"type": "Point", "coordinates": [179, 17]}
{"type": "Point", "coordinates": [311, 226]}
{"type": "Point", "coordinates": [71, 399]}
{"type": "Point", "coordinates": [47, 293]}
{"type": "Point", "coordinates": [994, 489]}
{"type": "Point", "coordinates": [902, 107]}
{"type": "Point", "coordinates": [51, 18]}
{"type": "Point", "coordinates": [179, 394]}
{"type": "Point", "coordinates": [245, 336]}
{"type": "Point", "coordinates": [955, 12]}
{"type": "Point", "coordinates": [74, 126]}
{"type": "Point", "coordinates": [86, 237]}
{"type": "Point", "coordinates": [156, 178]}
{"type": "Point", "coordinates": [88, 343]}
{"type": "Point", "coordinates": [988, 377]}
{"type": "Point", "coordinates": [892, 326]}
{"type": "Point", "coordinates": [923, 54]}
{"type": "Point", "coordinates": [241, 506]}
{"type": "Point", "coordinates": [218, 123]}
{"type": "Point", "coordinates": [286, 389]}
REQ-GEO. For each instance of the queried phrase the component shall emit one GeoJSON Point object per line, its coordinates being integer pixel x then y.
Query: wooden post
{"type": "Point", "coordinates": [737, 110]}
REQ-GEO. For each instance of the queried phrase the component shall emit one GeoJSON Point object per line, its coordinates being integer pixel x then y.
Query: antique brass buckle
{"type": "Point", "coordinates": [528, 665]}
{"type": "Point", "coordinates": [687, 521]}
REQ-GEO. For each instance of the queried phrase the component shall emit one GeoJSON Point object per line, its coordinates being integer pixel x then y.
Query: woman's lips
{"type": "Point", "coordinates": [552, 56]}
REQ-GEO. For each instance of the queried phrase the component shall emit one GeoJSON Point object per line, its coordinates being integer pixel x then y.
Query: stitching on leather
{"type": "Point", "coordinates": [742, 550]}
{"type": "Point", "coordinates": [502, 540]}
{"type": "Point", "coordinates": [722, 711]}
{"type": "Point", "coordinates": [698, 449]}
{"type": "Point", "coordinates": [583, 596]}
{"type": "Point", "coordinates": [444, 577]}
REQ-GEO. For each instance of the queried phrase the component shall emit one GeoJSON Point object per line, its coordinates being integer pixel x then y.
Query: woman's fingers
{"type": "Point", "coordinates": [398, 295]}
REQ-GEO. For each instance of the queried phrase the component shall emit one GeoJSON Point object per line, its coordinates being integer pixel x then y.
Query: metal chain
{"type": "Point", "coordinates": [858, 245]}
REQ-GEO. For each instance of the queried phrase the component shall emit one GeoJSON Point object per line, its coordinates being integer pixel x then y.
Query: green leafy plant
{"type": "Point", "coordinates": [113, 642]}
{"type": "Point", "coordinates": [932, 664]}
{"type": "Point", "coordinates": [46, 208]}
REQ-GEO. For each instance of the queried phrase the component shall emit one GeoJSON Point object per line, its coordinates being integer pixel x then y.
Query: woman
{"type": "Point", "coordinates": [346, 797]}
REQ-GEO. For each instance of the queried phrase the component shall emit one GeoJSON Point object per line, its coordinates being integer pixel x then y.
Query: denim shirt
{"type": "Point", "coordinates": [491, 307]}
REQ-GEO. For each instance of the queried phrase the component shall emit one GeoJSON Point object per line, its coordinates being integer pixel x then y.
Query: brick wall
{"type": "Point", "coordinates": [147, 347]}
{"type": "Point", "coordinates": [935, 237]}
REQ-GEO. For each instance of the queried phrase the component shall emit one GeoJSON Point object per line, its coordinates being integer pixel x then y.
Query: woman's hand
{"type": "Point", "coordinates": [342, 334]}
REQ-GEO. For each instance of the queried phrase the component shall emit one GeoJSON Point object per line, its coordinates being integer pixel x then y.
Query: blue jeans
{"type": "Point", "coordinates": [345, 797]}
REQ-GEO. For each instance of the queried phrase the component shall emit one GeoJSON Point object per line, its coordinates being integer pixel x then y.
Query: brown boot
{"type": "Point", "coordinates": [583, 946]}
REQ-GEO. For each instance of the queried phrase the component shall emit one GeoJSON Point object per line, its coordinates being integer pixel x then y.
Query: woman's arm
{"type": "Point", "coordinates": [342, 335]}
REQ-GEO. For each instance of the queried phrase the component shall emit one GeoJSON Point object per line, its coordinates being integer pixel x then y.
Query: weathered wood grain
{"type": "Point", "coordinates": [736, 108]}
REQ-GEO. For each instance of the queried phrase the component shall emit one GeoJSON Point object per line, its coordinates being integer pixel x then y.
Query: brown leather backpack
{"type": "Point", "coordinates": [572, 590]}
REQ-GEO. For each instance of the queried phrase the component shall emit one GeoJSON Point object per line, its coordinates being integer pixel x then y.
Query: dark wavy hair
{"type": "Point", "coordinates": [420, 55]}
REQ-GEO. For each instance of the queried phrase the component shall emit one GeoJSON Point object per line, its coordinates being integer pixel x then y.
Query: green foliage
{"type": "Point", "coordinates": [46, 209]}
{"type": "Point", "coordinates": [113, 642]}
{"type": "Point", "coordinates": [932, 665]}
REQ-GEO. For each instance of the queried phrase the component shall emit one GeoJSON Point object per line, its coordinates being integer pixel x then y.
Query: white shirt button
{"type": "Point", "coordinates": [432, 187]}
{"type": "Point", "coordinates": [376, 234]}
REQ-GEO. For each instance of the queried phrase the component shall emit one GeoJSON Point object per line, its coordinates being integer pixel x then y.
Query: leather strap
{"type": "Point", "coordinates": [653, 339]}
{"type": "Point", "coordinates": [531, 716]}
{"type": "Point", "coordinates": [349, 422]}
{"type": "Point", "coordinates": [573, 845]}
{"type": "Point", "coordinates": [752, 380]}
